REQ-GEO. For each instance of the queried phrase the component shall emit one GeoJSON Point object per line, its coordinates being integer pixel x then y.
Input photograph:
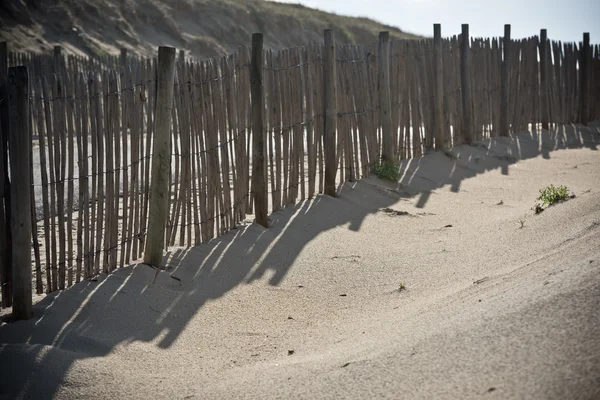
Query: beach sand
{"type": "Point", "coordinates": [497, 302]}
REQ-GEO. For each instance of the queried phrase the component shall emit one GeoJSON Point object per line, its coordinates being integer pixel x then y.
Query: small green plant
{"type": "Point", "coordinates": [386, 170]}
{"type": "Point", "coordinates": [551, 195]}
{"type": "Point", "coordinates": [401, 287]}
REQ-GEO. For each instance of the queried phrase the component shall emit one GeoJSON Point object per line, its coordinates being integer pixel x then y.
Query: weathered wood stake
{"type": "Point", "coordinates": [123, 58]}
{"type": "Point", "coordinates": [58, 60]}
{"type": "Point", "coordinates": [330, 103]}
{"type": "Point", "coordinates": [544, 78]}
{"type": "Point", "coordinates": [161, 158]}
{"type": "Point", "coordinates": [19, 147]}
{"type": "Point", "coordinates": [504, 82]}
{"type": "Point", "coordinates": [383, 90]}
{"type": "Point", "coordinates": [259, 161]}
{"type": "Point", "coordinates": [439, 88]}
{"type": "Point", "coordinates": [465, 80]}
{"type": "Point", "coordinates": [5, 207]}
{"type": "Point", "coordinates": [584, 93]}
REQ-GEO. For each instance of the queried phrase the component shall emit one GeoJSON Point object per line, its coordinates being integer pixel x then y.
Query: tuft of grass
{"type": "Point", "coordinates": [401, 286]}
{"type": "Point", "coordinates": [386, 170]}
{"type": "Point", "coordinates": [551, 195]}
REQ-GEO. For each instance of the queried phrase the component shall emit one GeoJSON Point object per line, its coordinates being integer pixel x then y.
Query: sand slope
{"type": "Point", "coordinates": [311, 309]}
{"type": "Point", "coordinates": [203, 28]}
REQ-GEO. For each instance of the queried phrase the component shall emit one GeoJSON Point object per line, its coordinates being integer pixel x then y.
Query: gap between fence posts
{"type": "Point", "coordinates": [330, 105]}
{"type": "Point", "coordinates": [259, 161]}
{"type": "Point", "coordinates": [465, 82]}
{"type": "Point", "coordinates": [544, 79]}
{"type": "Point", "coordinates": [161, 158]}
{"type": "Point", "coordinates": [439, 88]}
{"type": "Point", "coordinates": [584, 63]}
{"type": "Point", "coordinates": [383, 90]}
{"type": "Point", "coordinates": [504, 82]}
{"type": "Point", "coordinates": [19, 146]}
{"type": "Point", "coordinates": [5, 203]}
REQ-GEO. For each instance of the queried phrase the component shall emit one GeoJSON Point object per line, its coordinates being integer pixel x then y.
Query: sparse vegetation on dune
{"type": "Point", "coordinates": [386, 170]}
{"type": "Point", "coordinates": [204, 28]}
{"type": "Point", "coordinates": [551, 195]}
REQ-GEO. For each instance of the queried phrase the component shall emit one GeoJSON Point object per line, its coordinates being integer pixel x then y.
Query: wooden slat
{"type": "Point", "coordinates": [278, 133]}
{"type": "Point", "coordinates": [195, 154]}
{"type": "Point", "coordinates": [100, 169]}
{"type": "Point", "coordinates": [269, 126]}
{"type": "Point", "coordinates": [126, 99]}
{"type": "Point", "coordinates": [146, 145]}
{"type": "Point", "coordinates": [52, 182]}
{"type": "Point", "coordinates": [59, 169]}
{"type": "Point", "coordinates": [226, 210]}
{"type": "Point", "coordinates": [70, 106]}
{"type": "Point", "coordinates": [116, 138]}
{"type": "Point", "coordinates": [41, 104]}
{"type": "Point", "coordinates": [108, 114]}
{"type": "Point", "coordinates": [93, 100]}
{"type": "Point", "coordinates": [34, 113]}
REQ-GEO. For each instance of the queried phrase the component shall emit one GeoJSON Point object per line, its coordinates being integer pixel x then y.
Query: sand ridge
{"type": "Point", "coordinates": [311, 308]}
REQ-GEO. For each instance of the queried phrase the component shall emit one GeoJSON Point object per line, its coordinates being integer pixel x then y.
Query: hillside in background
{"type": "Point", "coordinates": [204, 28]}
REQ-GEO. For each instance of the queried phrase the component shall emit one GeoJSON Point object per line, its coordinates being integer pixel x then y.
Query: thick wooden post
{"type": "Point", "coordinates": [504, 82]}
{"type": "Point", "coordinates": [19, 147]}
{"type": "Point", "coordinates": [330, 103]}
{"type": "Point", "coordinates": [584, 90]}
{"type": "Point", "coordinates": [161, 158]}
{"type": "Point", "coordinates": [544, 79]}
{"type": "Point", "coordinates": [123, 58]}
{"type": "Point", "coordinates": [5, 203]}
{"type": "Point", "coordinates": [58, 60]}
{"type": "Point", "coordinates": [259, 161]}
{"type": "Point", "coordinates": [438, 112]}
{"type": "Point", "coordinates": [465, 82]}
{"type": "Point", "coordinates": [385, 107]}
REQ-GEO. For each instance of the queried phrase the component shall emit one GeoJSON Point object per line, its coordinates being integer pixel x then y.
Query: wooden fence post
{"type": "Point", "coordinates": [439, 88]}
{"type": "Point", "coordinates": [123, 58]}
{"type": "Point", "coordinates": [504, 82]}
{"type": "Point", "coordinates": [385, 107]}
{"type": "Point", "coordinates": [544, 79]}
{"type": "Point", "coordinates": [19, 146]}
{"type": "Point", "coordinates": [465, 83]}
{"type": "Point", "coordinates": [330, 103]}
{"type": "Point", "coordinates": [161, 158]}
{"type": "Point", "coordinates": [58, 60]}
{"type": "Point", "coordinates": [5, 203]}
{"type": "Point", "coordinates": [584, 92]}
{"type": "Point", "coordinates": [259, 161]}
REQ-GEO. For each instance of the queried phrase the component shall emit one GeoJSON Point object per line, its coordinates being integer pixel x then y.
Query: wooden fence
{"type": "Point", "coordinates": [328, 115]}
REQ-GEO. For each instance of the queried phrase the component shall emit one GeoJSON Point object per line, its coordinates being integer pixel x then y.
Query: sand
{"type": "Point", "coordinates": [311, 308]}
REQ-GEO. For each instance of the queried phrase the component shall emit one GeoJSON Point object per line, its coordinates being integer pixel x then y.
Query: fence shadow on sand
{"type": "Point", "coordinates": [94, 317]}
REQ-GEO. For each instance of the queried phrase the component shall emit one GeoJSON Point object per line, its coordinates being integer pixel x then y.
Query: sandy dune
{"type": "Point", "coordinates": [311, 308]}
